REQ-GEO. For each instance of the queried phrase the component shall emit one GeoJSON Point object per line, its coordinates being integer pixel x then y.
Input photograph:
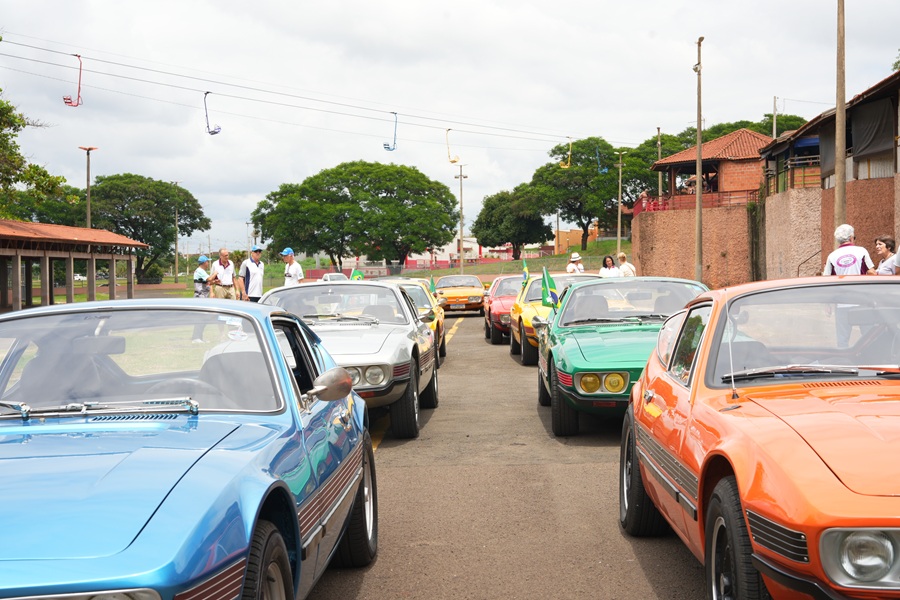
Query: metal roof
{"type": "Point", "coordinates": [27, 231]}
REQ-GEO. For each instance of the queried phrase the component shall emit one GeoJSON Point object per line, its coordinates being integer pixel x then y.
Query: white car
{"type": "Point", "coordinates": [79, 277]}
{"type": "Point", "coordinates": [334, 277]}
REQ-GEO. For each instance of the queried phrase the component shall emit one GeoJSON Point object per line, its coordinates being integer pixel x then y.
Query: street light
{"type": "Point", "coordinates": [460, 177]}
{"type": "Point", "coordinates": [619, 218]}
{"type": "Point", "coordinates": [698, 182]}
{"type": "Point", "coordinates": [88, 149]}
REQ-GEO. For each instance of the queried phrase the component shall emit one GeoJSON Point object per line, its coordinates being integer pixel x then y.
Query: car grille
{"type": "Point", "coordinates": [401, 371]}
{"type": "Point", "coordinates": [777, 538]}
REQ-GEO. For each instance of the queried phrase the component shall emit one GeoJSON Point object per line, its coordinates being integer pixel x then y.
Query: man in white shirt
{"type": "Point", "coordinates": [847, 258]}
{"type": "Point", "coordinates": [251, 275]}
{"type": "Point", "coordinates": [223, 277]}
{"type": "Point", "coordinates": [626, 268]}
{"type": "Point", "coordinates": [293, 272]}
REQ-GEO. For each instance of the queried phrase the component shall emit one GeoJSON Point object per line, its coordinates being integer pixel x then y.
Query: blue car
{"type": "Point", "coordinates": [177, 449]}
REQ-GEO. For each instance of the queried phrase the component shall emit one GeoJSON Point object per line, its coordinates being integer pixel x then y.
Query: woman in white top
{"type": "Point", "coordinates": [609, 268]}
{"type": "Point", "coordinates": [575, 265]}
{"type": "Point", "coordinates": [884, 248]}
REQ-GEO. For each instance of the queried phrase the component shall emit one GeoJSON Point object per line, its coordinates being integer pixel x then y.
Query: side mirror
{"type": "Point", "coordinates": [333, 384]}
{"type": "Point", "coordinates": [428, 317]}
{"type": "Point", "coordinates": [441, 301]}
{"type": "Point", "coordinates": [539, 323]}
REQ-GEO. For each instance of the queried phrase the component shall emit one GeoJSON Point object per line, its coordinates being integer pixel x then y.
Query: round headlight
{"type": "Point", "coordinates": [504, 319]}
{"type": "Point", "coordinates": [475, 298]}
{"type": "Point", "coordinates": [354, 375]}
{"type": "Point", "coordinates": [590, 383]}
{"type": "Point", "coordinates": [375, 375]}
{"type": "Point", "coordinates": [866, 555]}
{"type": "Point", "coordinates": [614, 383]}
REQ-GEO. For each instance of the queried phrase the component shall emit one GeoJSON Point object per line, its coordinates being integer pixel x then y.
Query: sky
{"type": "Point", "coordinates": [299, 87]}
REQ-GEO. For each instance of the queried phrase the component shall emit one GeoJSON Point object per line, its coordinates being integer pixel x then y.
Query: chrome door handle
{"type": "Point", "coordinates": [648, 395]}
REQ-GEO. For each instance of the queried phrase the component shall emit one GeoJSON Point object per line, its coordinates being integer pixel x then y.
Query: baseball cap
{"type": "Point", "coordinates": [255, 248]}
{"type": "Point", "coordinates": [202, 259]}
{"type": "Point", "coordinates": [287, 251]}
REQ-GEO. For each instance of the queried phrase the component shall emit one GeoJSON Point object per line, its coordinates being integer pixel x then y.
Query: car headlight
{"type": "Point", "coordinates": [375, 375]}
{"type": "Point", "coordinates": [354, 375]}
{"type": "Point", "coordinates": [476, 298]}
{"type": "Point", "coordinates": [614, 382]}
{"type": "Point", "coordinates": [504, 319]}
{"type": "Point", "coordinates": [590, 383]}
{"type": "Point", "coordinates": [861, 557]}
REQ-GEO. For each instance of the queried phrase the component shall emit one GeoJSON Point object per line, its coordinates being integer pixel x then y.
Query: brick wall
{"type": "Point", "coordinates": [740, 175]}
{"type": "Point", "coordinates": [870, 209]}
{"type": "Point", "coordinates": [793, 234]}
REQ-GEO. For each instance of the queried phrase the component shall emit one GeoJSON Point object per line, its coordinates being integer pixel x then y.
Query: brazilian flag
{"type": "Point", "coordinates": [356, 275]}
{"type": "Point", "coordinates": [524, 272]}
{"type": "Point", "coordinates": [549, 297]}
{"type": "Point", "coordinates": [431, 285]}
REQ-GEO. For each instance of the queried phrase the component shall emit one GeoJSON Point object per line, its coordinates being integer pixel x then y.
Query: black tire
{"type": "Point", "coordinates": [442, 349]}
{"type": "Point", "coordinates": [563, 418]}
{"type": "Point", "coordinates": [543, 394]}
{"type": "Point", "coordinates": [405, 411]}
{"type": "Point", "coordinates": [269, 574]}
{"type": "Point", "coordinates": [496, 336]}
{"type": "Point", "coordinates": [487, 328]}
{"type": "Point", "coordinates": [638, 516]}
{"type": "Point", "coordinates": [481, 311]}
{"type": "Point", "coordinates": [429, 398]}
{"type": "Point", "coordinates": [729, 572]}
{"type": "Point", "coordinates": [529, 354]}
{"type": "Point", "coordinates": [514, 346]}
{"type": "Point", "coordinates": [359, 545]}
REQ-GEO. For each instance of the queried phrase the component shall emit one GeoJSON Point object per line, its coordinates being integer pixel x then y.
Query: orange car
{"type": "Point", "coordinates": [765, 430]}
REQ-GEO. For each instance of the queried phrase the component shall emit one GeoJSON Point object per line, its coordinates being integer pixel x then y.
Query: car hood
{"type": "Point", "coordinates": [502, 304]}
{"type": "Point", "coordinates": [354, 340]}
{"type": "Point", "coordinates": [91, 487]}
{"type": "Point", "coordinates": [461, 291]}
{"type": "Point", "coordinates": [613, 346]}
{"type": "Point", "coordinates": [852, 429]}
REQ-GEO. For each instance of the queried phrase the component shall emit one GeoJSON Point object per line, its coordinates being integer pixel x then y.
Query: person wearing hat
{"type": "Point", "coordinates": [575, 265]}
{"type": "Point", "coordinates": [201, 290]}
{"type": "Point", "coordinates": [251, 275]}
{"type": "Point", "coordinates": [293, 272]}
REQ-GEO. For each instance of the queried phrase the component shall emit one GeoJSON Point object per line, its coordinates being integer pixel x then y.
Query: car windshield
{"type": "Point", "coordinates": [317, 304]}
{"type": "Point", "coordinates": [830, 329]}
{"type": "Point", "coordinates": [419, 295]}
{"type": "Point", "coordinates": [451, 281]}
{"type": "Point", "coordinates": [626, 299]}
{"type": "Point", "coordinates": [508, 287]}
{"type": "Point", "coordinates": [561, 280]}
{"type": "Point", "coordinates": [135, 360]}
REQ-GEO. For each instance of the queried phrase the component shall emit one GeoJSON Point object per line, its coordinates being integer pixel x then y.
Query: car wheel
{"type": "Point", "coordinates": [638, 515]}
{"type": "Point", "coordinates": [496, 335]}
{"type": "Point", "coordinates": [729, 572]}
{"type": "Point", "coordinates": [360, 542]}
{"type": "Point", "coordinates": [405, 411]}
{"type": "Point", "coordinates": [543, 394]}
{"type": "Point", "coordinates": [563, 418]}
{"type": "Point", "coordinates": [481, 311]}
{"type": "Point", "coordinates": [442, 349]}
{"type": "Point", "coordinates": [429, 398]}
{"type": "Point", "coordinates": [514, 346]}
{"type": "Point", "coordinates": [487, 328]}
{"type": "Point", "coordinates": [529, 353]}
{"type": "Point", "coordinates": [269, 574]}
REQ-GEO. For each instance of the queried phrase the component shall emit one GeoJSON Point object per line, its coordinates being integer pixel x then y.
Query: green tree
{"type": "Point", "coordinates": [143, 209]}
{"type": "Point", "coordinates": [508, 217]}
{"type": "Point", "coordinates": [585, 191]}
{"type": "Point", "coordinates": [17, 175]}
{"type": "Point", "coordinates": [383, 211]}
{"type": "Point", "coordinates": [896, 65]}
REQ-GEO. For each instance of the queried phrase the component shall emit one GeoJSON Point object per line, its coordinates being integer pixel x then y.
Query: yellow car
{"type": "Point", "coordinates": [522, 338]}
{"type": "Point", "coordinates": [420, 292]}
{"type": "Point", "coordinates": [463, 292]}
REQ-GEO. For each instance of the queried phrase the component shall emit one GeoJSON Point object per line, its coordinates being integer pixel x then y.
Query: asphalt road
{"type": "Point", "coordinates": [487, 503]}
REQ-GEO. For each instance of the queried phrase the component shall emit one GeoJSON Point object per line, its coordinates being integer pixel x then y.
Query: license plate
{"type": "Point", "coordinates": [457, 306]}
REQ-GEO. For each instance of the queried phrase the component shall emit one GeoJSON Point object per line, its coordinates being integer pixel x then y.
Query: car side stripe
{"type": "Point", "coordinates": [669, 471]}
{"type": "Point", "coordinates": [323, 501]}
{"type": "Point", "coordinates": [224, 585]}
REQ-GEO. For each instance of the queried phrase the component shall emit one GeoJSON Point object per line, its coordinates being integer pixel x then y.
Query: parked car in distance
{"type": "Point", "coordinates": [764, 432]}
{"type": "Point", "coordinates": [498, 299]}
{"type": "Point", "coordinates": [158, 468]}
{"type": "Point", "coordinates": [462, 292]}
{"type": "Point", "coordinates": [522, 337]}
{"type": "Point", "coordinates": [334, 277]}
{"type": "Point", "coordinates": [593, 348]}
{"type": "Point", "coordinates": [79, 277]}
{"type": "Point", "coordinates": [374, 330]}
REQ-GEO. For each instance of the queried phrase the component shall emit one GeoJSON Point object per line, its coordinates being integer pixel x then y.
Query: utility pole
{"type": "Point", "coordinates": [698, 179]}
{"type": "Point", "coordinates": [88, 149]}
{"type": "Point", "coordinates": [176, 244]}
{"type": "Point", "coordinates": [658, 158]}
{"type": "Point", "coordinates": [774, 117]}
{"type": "Point", "coordinates": [461, 251]}
{"type": "Point", "coordinates": [619, 218]}
{"type": "Point", "coordinates": [840, 128]}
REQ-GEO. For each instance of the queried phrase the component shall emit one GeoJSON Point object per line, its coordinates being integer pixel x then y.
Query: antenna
{"type": "Point", "coordinates": [734, 394]}
{"type": "Point", "coordinates": [68, 99]}
{"type": "Point", "coordinates": [568, 163]}
{"type": "Point", "coordinates": [215, 129]}
{"type": "Point", "coordinates": [387, 146]}
{"type": "Point", "coordinates": [452, 159]}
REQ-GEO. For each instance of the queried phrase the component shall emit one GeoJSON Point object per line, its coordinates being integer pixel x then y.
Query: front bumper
{"type": "Point", "coordinates": [385, 396]}
{"type": "Point", "coordinates": [599, 404]}
{"type": "Point", "coordinates": [802, 583]}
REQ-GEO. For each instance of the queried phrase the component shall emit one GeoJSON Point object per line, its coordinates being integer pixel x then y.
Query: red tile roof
{"type": "Point", "coordinates": [44, 232]}
{"type": "Point", "coordinates": [742, 144]}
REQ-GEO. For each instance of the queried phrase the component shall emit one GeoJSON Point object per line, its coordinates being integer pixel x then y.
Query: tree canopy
{"type": "Point", "coordinates": [144, 209]}
{"type": "Point", "coordinates": [383, 211]}
{"type": "Point", "coordinates": [509, 217]}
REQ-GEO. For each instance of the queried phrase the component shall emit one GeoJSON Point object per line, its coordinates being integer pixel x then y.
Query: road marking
{"type": "Point", "coordinates": [453, 329]}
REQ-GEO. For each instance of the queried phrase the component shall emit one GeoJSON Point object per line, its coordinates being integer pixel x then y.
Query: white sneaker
{"type": "Point", "coordinates": [198, 341]}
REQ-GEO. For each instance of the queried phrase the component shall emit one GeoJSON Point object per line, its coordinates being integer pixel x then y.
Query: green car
{"type": "Point", "coordinates": [595, 344]}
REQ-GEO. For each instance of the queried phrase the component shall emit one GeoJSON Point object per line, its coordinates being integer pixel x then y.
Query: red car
{"type": "Point", "coordinates": [497, 301]}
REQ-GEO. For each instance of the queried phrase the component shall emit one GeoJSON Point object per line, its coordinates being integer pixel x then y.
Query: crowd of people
{"type": "Point", "coordinates": [609, 268]}
{"type": "Point", "coordinates": [222, 280]}
{"type": "Point", "coordinates": [850, 259]}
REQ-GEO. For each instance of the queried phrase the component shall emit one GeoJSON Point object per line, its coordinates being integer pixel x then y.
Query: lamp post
{"type": "Point", "coordinates": [698, 181]}
{"type": "Point", "coordinates": [88, 149]}
{"type": "Point", "coordinates": [461, 253]}
{"type": "Point", "coordinates": [840, 128]}
{"type": "Point", "coordinates": [619, 218]}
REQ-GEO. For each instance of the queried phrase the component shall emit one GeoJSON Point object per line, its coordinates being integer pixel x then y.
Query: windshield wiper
{"type": "Point", "coordinates": [21, 407]}
{"type": "Point", "coordinates": [789, 371]}
{"type": "Point", "coordinates": [596, 320]}
{"type": "Point", "coordinates": [83, 408]}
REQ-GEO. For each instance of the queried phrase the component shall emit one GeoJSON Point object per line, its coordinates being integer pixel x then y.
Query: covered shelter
{"type": "Point", "coordinates": [24, 244]}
